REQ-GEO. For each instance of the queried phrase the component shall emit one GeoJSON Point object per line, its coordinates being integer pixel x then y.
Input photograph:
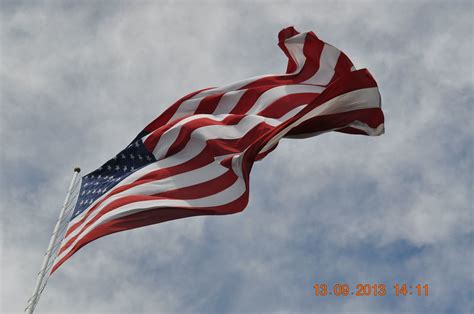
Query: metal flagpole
{"type": "Point", "coordinates": [47, 256]}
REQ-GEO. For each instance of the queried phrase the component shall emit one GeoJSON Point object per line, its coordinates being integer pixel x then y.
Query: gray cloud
{"type": "Point", "coordinates": [79, 80]}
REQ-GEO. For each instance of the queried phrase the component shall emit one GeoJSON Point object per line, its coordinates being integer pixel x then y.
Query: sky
{"type": "Point", "coordinates": [79, 80]}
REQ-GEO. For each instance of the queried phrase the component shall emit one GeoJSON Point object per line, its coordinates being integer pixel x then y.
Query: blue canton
{"type": "Point", "coordinates": [98, 182]}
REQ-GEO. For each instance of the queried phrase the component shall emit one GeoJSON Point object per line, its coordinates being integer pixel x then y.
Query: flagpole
{"type": "Point", "coordinates": [47, 256]}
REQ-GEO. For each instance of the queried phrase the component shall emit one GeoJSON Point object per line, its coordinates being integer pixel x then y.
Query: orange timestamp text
{"type": "Point", "coordinates": [371, 289]}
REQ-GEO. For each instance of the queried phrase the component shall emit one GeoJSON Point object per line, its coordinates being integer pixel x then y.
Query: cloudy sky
{"type": "Point", "coordinates": [80, 79]}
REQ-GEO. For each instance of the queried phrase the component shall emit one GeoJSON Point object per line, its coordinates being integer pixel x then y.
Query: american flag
{"type": "Point", "coordinates": [195, 158]}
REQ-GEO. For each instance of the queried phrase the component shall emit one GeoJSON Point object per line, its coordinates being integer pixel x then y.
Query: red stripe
{"type": "Point", "coordinates": [153, 138]}
{"type": "Point", "coordinates": [350, 130]}
{"type": "Point", "coordinates": [137, 220]}
{"type": "Point", "coordinates": [200, 190]}
{"type": "Point", "coordinates": [282, 36]}
{"type": "Point", "coordinates": [343, 67]}
{"type": "Point", "coordinates": [191, 126]}
{"type": "Point", "coordinates": [372, 117]}
{"type": "Point", "coordinates": [209, 104]}
{"type": "Point", "coordinates": [312, 50]}
{"type": "Point", "coordinates": [166, 116]}
{"type": "Point", "coordinates": [248, 99]}
{"type": "Point", "coordinates": [285, 104]}
{"type": "Point", "coordinates": [359, 79]}
{"type": "Point", "coordinates": [153, 216]}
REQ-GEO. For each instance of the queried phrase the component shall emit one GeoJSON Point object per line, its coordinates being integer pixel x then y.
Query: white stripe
{"type": "Point", "coordinates": [232, 86]}
{"type": "Point", "coordinates": [295, 46]}
{"type": "Point", "coordinates": [364, 98]}
{"type": "Point", "coordinates": [327, 64]}
{"type": "Point", "coordinates": [379, 130]}
{"type": "Point", "coordinates": [187, 107]}
{"type": "Point", "coordinates": [168, 138]}
{"type": "Point", "coordinates": [358, 99]}
{"type": "Point", "coordinates": [228, 101]}
{"type": "Point", "coordinates": [272, 95]}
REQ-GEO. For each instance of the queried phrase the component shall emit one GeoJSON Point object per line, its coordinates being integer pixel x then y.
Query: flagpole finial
{"type": "Point", "coordinates": [77, 169]}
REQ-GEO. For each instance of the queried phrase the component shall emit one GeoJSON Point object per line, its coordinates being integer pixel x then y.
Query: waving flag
{"type": "Point", "coordinates": [195, 158]}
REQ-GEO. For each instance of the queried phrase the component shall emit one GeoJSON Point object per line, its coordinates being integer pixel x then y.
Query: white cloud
{"type": "Point", "coordinates": [78, 81]}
